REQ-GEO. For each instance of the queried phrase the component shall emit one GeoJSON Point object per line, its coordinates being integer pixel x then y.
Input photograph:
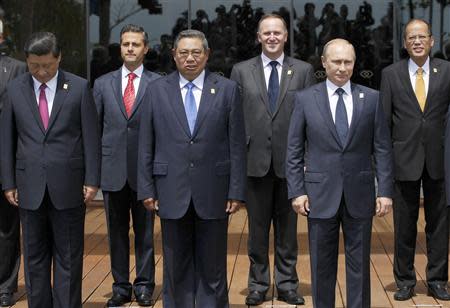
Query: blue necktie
{"type": "Point", "coordinates": [274, 86]}
{"type": "Point", "coordinates": [341, 120]}
{"type": "Point", "coordinates": [190, 106]}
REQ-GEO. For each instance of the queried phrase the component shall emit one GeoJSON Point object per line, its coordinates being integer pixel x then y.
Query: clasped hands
{"type": "Point", "coordinates": [232, 205]}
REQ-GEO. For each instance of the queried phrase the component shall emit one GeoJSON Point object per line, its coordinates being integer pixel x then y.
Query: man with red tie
{"type": "Point", "coordinates": [119, 98]}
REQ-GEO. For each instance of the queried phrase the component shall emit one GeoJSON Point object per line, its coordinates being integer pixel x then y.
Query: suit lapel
{"type": "Point", "coordinates": [208, 93]}
{"type": "Point", "coordinates": [260, 82]}
{"type": "Point", "coordinates": [62, 88]}
{"type": "Point", "coordinates": [286, 77]}
{"type": "Point", "coordinates": [116, 85]}
{"type": "Point", "coordinates": [324, 107]}
{"type": "Point", "coordinates": [5, 70]}
{"type": "Point", "coordinates": [141, 91]}
{"type": "Point", "coordinates": [434, 77]}
{"type": "Point", "coordinates": [358, 100]}
{"type": "Point", "coordinates": [176, 101]}
{"type": "Point", "coordinates": [28, 92]}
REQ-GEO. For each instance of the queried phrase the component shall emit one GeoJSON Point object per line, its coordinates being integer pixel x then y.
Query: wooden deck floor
{"type": "Point", "coordinates": [97, 278]}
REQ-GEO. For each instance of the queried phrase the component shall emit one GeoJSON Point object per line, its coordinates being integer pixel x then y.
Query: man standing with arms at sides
{"type": "Point", "coordinates": [119, 99]}
{"type": "Point", "coordinates": [9, 214]}
{"type": "Point", "coordinates": [268, 83]}
{"type": "Point", "coordinates": [191, 168]}
{"type": "Point", "coordinates": [415, 93]}
{"type": "Point", "coordinates": [50, 169]}
{"type": "Point", "coordinates": [345, 130]}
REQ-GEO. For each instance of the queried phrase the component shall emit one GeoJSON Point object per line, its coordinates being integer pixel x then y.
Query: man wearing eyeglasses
{"type": "Point", "coordinates": [191, 169]}
{"type": "Point", "coordinates": [415, 93]}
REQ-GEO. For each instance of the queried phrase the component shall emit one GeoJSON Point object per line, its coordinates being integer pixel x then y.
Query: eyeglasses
{"type": "Point", "coordinates": [184, 54]}
{"type": "Point", "coordinates": [421, 38]}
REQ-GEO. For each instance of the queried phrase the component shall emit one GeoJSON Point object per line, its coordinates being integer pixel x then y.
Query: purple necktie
{"type": "Point", "coordinates": [43, 105]}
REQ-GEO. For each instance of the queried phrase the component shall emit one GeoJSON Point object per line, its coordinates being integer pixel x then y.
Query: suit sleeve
{"type": "Point", "coordinates": [382, 152]}
{"type": "Point", "coordinates": [98, 99]}
{"type": "Point", "coordinates": [91, 138]}
{"type": "Point", "coordinates": [447, 156]}
{"type": "Point", "coordinates": [8, 136]}
{"type": "Point", "coordinates": [310, 78]}
{"type": "Point", "coordinates": [386, 97]}
{"type": "Point", "coordinates": [238, 160]}
{"type": "Point", "coordinates": [235, 75]}
{"type": "Point", "coordinates": [295, 154]}
{"type": "Point", "coordinates": [145, 182]}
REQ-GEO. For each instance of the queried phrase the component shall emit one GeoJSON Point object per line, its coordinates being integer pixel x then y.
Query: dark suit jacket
{"type": "Point", "coordinates": [64, 157]}
{"type": "Point", "coordinates": [267, 133]}
{"type": "Point", "coordinates": [207, 167]}
{"type": "Point", "coordinates": [334, 169]}
{"type": "Point", "coordinates": [417, 137]}
{"type": "Point", "coordinates": [119, 134]}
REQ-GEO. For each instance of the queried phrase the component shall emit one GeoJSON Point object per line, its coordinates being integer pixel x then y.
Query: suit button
{"type": "Point", "coordinates": [423, 120]}
{"type": "Point", "coordinates": [191, 142]}
{"type": "Point", "coordinates": [269, 138]}
{"type": "Point", "coordinates": [191, 165]}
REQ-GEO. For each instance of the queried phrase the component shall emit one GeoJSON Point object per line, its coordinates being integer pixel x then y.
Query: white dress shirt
{"type": "Point", "coordinates": [197, 90]}
{"type": "Point", "coordinates": [50, 91]}
{"type": "Point", "coordinates": [268, 68]}
{"type": "Point", "coordinates": [412, 69]}
{"type": "Point", "coordinates": [333, 98]}
{"type": "Point", "coordinates": [136, 80]}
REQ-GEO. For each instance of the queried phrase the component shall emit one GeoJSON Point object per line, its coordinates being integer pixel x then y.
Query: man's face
{"type": "Point", "coordinates": [190, 57]}
{"type": "Point", "coordinates": [338, 62]}
{"type": "Point", "coordinates": [418, 41]}
{"type": "Point", "coordinates": [43, 68]}
{"type": "Point", "coordinates": [133, 49]}
{"type": "Point", "coordinates": [272, 35]}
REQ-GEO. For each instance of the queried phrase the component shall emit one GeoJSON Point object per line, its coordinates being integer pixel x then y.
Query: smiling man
{"type": "Point", "coordinates": [268, 83]}
{"type": "Point", "coordinates": [119, 100]}
{"type": "Point", "coordinates": [191, 169]}
{"type": "Point", "coordinates": [415, 93]}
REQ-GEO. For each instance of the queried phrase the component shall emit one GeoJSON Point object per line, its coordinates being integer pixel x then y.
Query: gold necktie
{"type": "Point", "coordinates": [420, 88]}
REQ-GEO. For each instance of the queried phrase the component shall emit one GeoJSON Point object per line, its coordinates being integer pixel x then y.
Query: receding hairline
{"type": "Point", "coordinates": [273, 16]}
{"type": "Point", "coordinates": [416, 21]}
{"type": "Point", "coordinates": [338, 41]}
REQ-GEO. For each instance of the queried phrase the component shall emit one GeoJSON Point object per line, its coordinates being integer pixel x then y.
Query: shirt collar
{"type": "Point", "coordinates": [266, 60]}
{"type": "Point", "coordinates": [138, 71]}
{"type": "Point", "coordinates": [198, 82]}
{"type": "Point", "coordinates": [412, 66]}
{"type": "Point", "coordinates": [51, 84]}
{"type": "Point", "coordinates": [331, 87]}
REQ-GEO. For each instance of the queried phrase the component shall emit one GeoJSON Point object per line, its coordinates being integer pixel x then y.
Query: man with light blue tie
{"type": "Point", "coordinates": [191, 169]}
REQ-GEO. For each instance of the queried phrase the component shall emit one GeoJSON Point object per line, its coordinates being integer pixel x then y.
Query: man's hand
{"type": "Point", "coordinates": [233, 206]}
{"type": "Point", "coordinates": [89, 193]}
{"type": "Point", "coordinates": [12, 196]}
{"type": "Point", "coordinates": [151, 204]}
{"type": "Point", "coordinates": [383, 206]}
{"type": "Point", "coordinates": [301, 205]}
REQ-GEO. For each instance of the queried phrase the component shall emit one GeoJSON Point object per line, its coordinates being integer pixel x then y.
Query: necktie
{"type": "Point", "coordinates": [341, 120]}
{"type": "Point", "coordinates": [420, 88]}
{"type": "Point", "coordinates": [43, 105]}
{"type": "Point", "coordinates": [128, 95]}
{"type": "Point", "coordinates": [274, 86]}
{"type": "Point", "coordinates": [190, 106]}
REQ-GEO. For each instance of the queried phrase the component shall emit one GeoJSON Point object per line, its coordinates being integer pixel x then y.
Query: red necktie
{"type": "Point", "coordinates": [43, 105]}
{"type": "Point", "coordinates": [128, 96]}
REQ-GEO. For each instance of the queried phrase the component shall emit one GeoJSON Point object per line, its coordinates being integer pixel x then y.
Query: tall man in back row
{"type": "Point", "coordinates": [415, 93]}
{"type": "Point", "coordinates": [268, 83]}
{"type": "Point", "coordinates": [119, 98]}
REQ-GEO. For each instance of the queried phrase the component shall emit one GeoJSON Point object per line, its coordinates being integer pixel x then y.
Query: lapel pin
{"type": "Point", "coordinates": [289, 72]}
{"type": "Point", "coordinates": [434, 69]}
{"type": "Point", "coordinates": [213, 91]}
{"type": "Point", "coordinates": [361, 95]}
{"type": "Point", "coordinates": [65, 86]}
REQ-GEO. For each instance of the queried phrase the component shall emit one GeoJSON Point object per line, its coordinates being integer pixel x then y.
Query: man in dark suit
{"type": "Point", "coordinates": [9, 214]}
{"type": "Point", "coordinates": [119, 97]}
{"type": "Point", "coordinates": [332, 182]}
{"type": "Point", "coordinates": [415, 93]}
{"type": "Point", "coordinates": [191, 169]}
{"type": "Point", "coordinates": [268, 83]}
{"type": "Point", "coordinates": [50, 169]}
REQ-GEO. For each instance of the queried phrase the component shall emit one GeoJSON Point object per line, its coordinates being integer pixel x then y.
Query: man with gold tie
{"type": "Point", "coordinates": [415, 93]}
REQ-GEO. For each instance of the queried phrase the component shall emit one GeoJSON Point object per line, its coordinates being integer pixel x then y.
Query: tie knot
{"type": "Point", "coordinates": [419, 71]}
{"type": "Point", "coordinates": [340, 91]}
{"type": "Point", "coordinates": [131, 76]}
{"type": "Point", "coordinates": [43, 87]}
{"type": "Point", "coordinates": [273, 64]}
{"type": "Point", "coordinates": [189, 85]}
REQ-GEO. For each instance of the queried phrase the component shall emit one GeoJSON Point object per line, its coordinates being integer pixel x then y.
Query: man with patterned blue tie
{"type": "Point", "coordinates": [344, 128]}
{"type": "Point", "coordinates": [191, 169]}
